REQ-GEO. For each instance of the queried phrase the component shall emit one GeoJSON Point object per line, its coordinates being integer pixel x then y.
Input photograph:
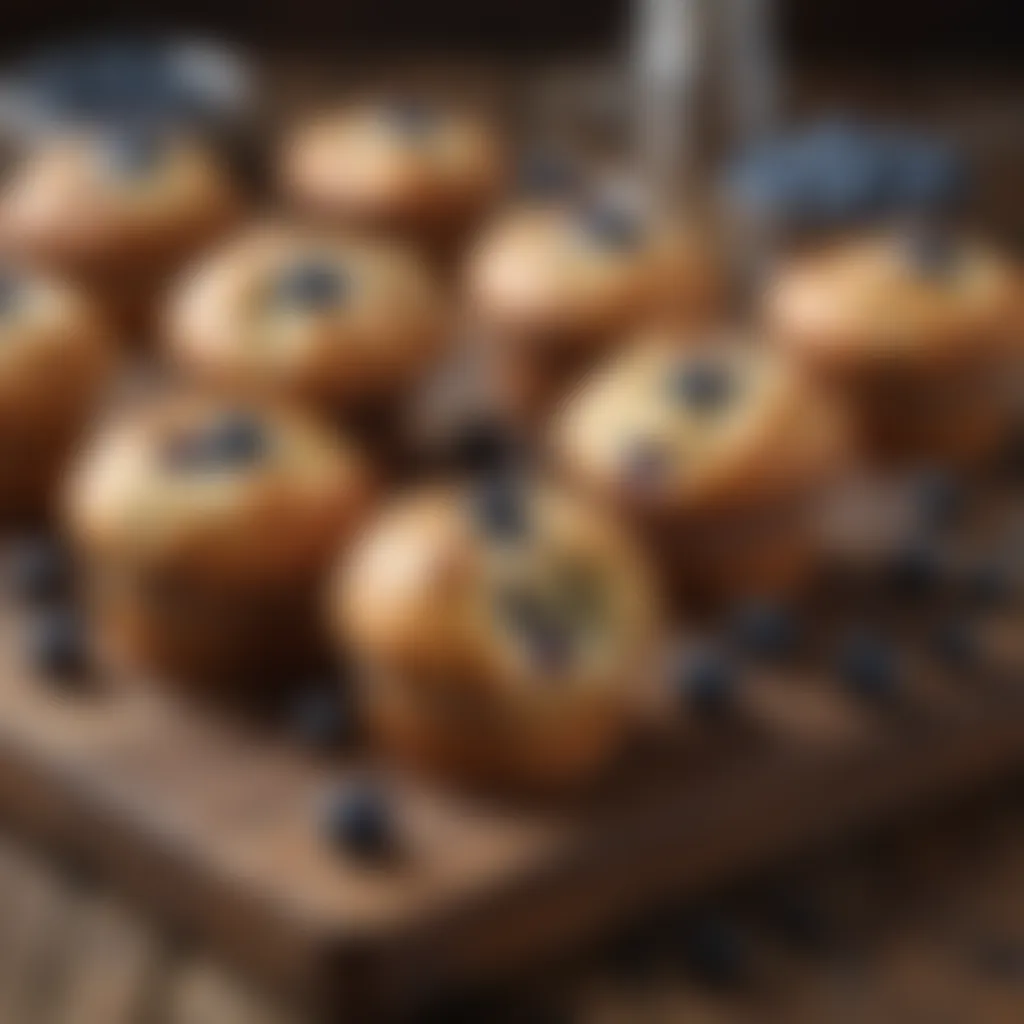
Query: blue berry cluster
{"type": "Point", "coordinates": [840, 172]}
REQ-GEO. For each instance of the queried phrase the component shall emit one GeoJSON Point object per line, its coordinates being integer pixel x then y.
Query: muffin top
{"type": "Point", "coordinates": [692, 429]}
{"type": "Point", "coordinates": [506, 589]}
{"type": "Point", "coordinates": [107, 200]}
{"type": "Point", "coordinates": [306, 315]}
{"type": "Point", "coordinates": [923, 298]}
{"type": "Point", "coordinates": [234, 494]}
{"type": "Point", "coordinates": [566, 275]}
{"type": "Point", "coordinates": [398, 164]}
{"type": "Point", "coordinates": [55, 348]}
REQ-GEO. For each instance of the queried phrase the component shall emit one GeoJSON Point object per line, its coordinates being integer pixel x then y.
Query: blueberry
{"type": "Point", "coordinates": [703, 385]}
{"type": "Point", "coordinates": [869, 666]}
{"type": "Point", "coordinates": [412, 118]}
{"type": "Point", "coordinates": [499, 508]}
{"type": "Point", "coordinates": [357, 818]}
{"type": "Point", "coordinates": [954, 645]}
{"type": "Point", "coordinates": [611, 226]}
{"type": "Point", "coordinates": [322, 719]}
{"type": "Point", "coordinates": [312, 285]}
{"type": "Point", "coordinates": [705, 680]}
{"type": "Point", "coordinates": [938, 498]}
{"type": "Point", "coordinates": [931, 251]}
{"type": "Point", "coordinates": [133, 153]}
{"type": "Point", "coordinates": [932, 177]}
{"type": "Point", "coordinates": [548, 641]}
{"type": "Point", "coordinates": [765, 630]}
{"type": "Point", "coordinates": [987, 584]}
{"type": "Point", "coordinates": [546, 175]}
{"type": "Point", "coordinates": [57, 646]}
{"type": "Point", "coordinates": [39, 570]}
{"type": "Point", "coordinates": [914, 571]}
{"type": "Point", "coordinates": [716, 951]}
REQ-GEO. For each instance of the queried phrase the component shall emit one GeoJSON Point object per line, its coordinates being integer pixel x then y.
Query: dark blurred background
{"type": "Point", "coordinates": [968, 32]}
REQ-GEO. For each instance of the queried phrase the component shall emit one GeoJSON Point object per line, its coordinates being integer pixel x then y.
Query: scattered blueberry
{"type": "Point", "coordinates": [357, 818]}
{"type": "Point", "coordinates": [38, 570]}
{"type": "Point", "coordinates": [955, 645]}
{"type": "Point", "coordinates": [715, 951]}
{"type": "Point", "coordinates": [312, 285]}
{"type": "Point", "coordinates": [57, 646]}
{"type": "Point", "coordinates": [799, 918]}
{"type": "Point", "coordinates": [543, 174]}
{"type": "Point", "coordinates": [869, 666]}
{"type": "Point", "coordinates": [499, 507]}
{"type": "Point", "coordinates": [938, 498]}
{"type": "Point", "coordinates": [611, 226]}
{"type": "Point", "coordinates": [765, 630]}
{"type": "Point", "coordinates": [703, 385]}
{"type": "Point", "coordinates": [914, 570]}
{"type": "Point", "coordinates": [322, 719]}
{"type": "Point", "coordinates": [705, 680]}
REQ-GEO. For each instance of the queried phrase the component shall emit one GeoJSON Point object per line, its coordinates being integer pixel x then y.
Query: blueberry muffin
{"type": "Point", "coordinates": [553, 285]}
{"type": "Point", "coordinates": [118, 211]}
{"type": "Point", "coordinates": [717, 452]}
{"type": "Point", "coordinates": [921, 328]}
{"type": "Point", "coordinates": [56, 356]}
{"type": "Point", "coordinates": [407, 167]}
{"type": "Point", "coordinates": [205, 528]}
{"type": "Point", "coordinates": [344, 325]}
{"type": "Point", "coordinates": [503, 631]}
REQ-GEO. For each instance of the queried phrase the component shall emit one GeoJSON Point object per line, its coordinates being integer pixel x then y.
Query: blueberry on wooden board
{"type": "Point", "coordinates": [38, 570]}
{"type": "Point", "coordinates": [869, 666]}
{"type": "Point", "coordinates": [356, 817]}
{"type": "Point", "coordinates": [312, 285]}
{"type": "Point", "coordinates": [765, 630]}
{"type": "Point", "coordinates": [58, 646]}
{"type": "Point", "coordinates": [705, 680]}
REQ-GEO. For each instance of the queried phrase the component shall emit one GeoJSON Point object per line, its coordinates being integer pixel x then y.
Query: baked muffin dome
{"type": "Point", "coordinates": [338, 323]}
{"type": "Point", "coordinates": [206, 526]}
{"type": "Point", "coordinates": [504, 628]}
{"type": "Point", "coordinates": [411, 167]}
